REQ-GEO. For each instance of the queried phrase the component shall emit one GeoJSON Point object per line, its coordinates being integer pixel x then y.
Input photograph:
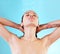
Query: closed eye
{"type": "Point", "coordinates": [34, 15]}
{"type": "Point", "coordinates": [27, 14]}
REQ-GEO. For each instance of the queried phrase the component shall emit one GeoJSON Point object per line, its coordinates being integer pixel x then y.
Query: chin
{"type": "Point", "coordinates": [34, 25]}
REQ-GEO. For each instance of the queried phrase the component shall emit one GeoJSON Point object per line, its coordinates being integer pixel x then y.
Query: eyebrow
{"type": "Point", "coordinates": [33, 14]}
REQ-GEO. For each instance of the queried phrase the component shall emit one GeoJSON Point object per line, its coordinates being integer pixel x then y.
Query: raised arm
{"type": "Point", "coordinates": [5, 33]}
{"type": "Point", "coordinates": [6, 22]}
{"type": "Point", "coordinates": [53, 24]}
{"type": "Point", "coordinates": [50, 38]}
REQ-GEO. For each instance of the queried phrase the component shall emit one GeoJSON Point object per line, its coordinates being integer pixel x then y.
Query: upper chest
{"type": "Point", "coordinates": [17, 43]}
{"type": "Point", "coordinates": [20, 46]}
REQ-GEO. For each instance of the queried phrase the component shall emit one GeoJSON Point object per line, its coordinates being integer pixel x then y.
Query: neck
{"type": "Point", "coordinates": [30, 33]}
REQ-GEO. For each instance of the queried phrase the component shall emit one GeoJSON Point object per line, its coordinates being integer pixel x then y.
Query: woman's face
{"type": "Point", "coordinates": [30, 18]}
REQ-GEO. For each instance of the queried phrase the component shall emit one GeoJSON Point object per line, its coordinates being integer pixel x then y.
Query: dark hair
{"type": "Point", "coordinates": [22, 21]}
{"type": "Point", "coordinates": [23, 27]}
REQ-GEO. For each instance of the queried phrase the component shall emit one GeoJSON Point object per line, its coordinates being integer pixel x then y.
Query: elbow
{"type": "Point", "coordinates": [58, 20]}
{"type": "Point", "coordinates": [1, 19]}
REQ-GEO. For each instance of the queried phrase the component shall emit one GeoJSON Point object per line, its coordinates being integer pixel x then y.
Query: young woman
{"type": "Point", "coordinates": [29, 43]}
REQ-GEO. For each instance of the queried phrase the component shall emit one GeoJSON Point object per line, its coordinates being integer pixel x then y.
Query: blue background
{"type": "Point", "coordinates": [47, 10]}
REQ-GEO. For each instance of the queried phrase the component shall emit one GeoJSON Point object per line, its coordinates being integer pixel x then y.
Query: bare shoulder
{"type": "Point", "coordinates": [14, 38]}
{"type": "Point", "coordinates": [14, 35]}
{"type": "Point", "coordinates": [39, 40]}
{"type": "Point", "coordinates": [45, 39]}
{"type": "Point", "coordinates": [42, 41]}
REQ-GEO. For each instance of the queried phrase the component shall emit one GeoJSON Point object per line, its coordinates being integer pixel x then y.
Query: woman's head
{"type": "Point", "coordinates": [29, 18]}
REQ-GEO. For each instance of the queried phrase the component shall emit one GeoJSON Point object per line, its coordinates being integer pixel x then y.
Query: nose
{"type": "Point", "coordinates": [31, 16]}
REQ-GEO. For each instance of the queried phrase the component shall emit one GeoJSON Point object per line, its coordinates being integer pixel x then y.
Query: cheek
{"type": "Point", "coordinates": [25, 21]}
{"type": "Point", "coordinates": [37, 22]}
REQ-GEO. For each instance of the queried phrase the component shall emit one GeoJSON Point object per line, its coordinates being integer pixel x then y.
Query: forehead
{"type": "Point", "coordinates": [30, 12]}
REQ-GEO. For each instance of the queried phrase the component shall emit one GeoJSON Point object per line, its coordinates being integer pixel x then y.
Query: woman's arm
{"type": "Point", "coordinates": [6, 22]}
{"type": "Point", "coordinates": [52, 37]}
{"type": "Point", "coordinates": [52, 24]}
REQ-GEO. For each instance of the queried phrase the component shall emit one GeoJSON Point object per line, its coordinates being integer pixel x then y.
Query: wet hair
{"type": "Point", "coordinates": [22, 21]}
{"type": "Point", "coordinates": [23, 26]}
